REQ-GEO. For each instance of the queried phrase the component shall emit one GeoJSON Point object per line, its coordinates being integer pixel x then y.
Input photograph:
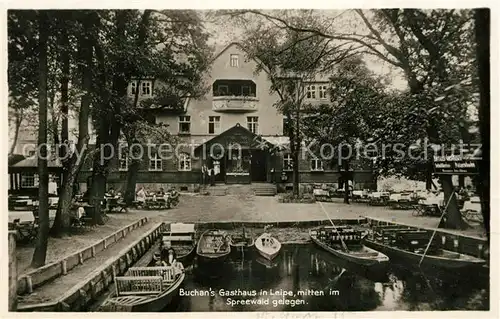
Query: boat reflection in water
{"type": "Point", "coordinates": [329, 283]}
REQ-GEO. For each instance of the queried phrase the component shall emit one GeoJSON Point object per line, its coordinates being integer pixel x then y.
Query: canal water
{"type": "Point", "coordinates": [305, 278]}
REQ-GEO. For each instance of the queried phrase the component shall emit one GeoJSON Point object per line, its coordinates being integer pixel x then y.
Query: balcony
{"type": "Point", "coordinates": [234, 96]}
{"type": "Point", "coordinates": [234, 104]}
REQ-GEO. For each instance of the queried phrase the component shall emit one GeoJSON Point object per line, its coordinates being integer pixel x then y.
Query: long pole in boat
{"type": "Point", "coordinates": [335, 227]}
{"type": "Point", "coordinates": [435, 230]}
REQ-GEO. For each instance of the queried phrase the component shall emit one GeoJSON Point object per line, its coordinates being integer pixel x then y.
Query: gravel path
{"type": "Point", "coordinates": [60, 247]}
{"type": "Point", "coordinates": [240, 208]}
{"type": "Point", "coordinates": [55, 289]}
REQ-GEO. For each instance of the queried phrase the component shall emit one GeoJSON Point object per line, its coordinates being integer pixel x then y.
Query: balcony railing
{"type": "Point", "coordinates": [234, 103]}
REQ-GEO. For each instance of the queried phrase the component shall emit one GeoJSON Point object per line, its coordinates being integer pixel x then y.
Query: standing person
{"type": "Point", "coordinates": [216, 168]}
{"type": "Point", "coordinates": [204, 173]}
{"type": "Point", "coordinates": [211, 176]}
{"type": "Point", "coordinates": [52, 187]}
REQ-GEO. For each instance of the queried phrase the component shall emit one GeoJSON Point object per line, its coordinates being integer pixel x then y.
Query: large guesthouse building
{"type": "Point", "coordinates": [234, 129]}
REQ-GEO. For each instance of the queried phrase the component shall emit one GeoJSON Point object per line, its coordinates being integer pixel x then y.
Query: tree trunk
{"type": "Point", "coordinates": [453, 215]}
{"type": "Point", "coordinates": [19, 119]}
{"type": "Point", "coordinates": [98, 189]}
{"type": "Point", "coordinates": [461, 181]}
{"type": "Point", "coordinates": [133, 168]}
{"type": "Point", "coordinates": [40, 252]}
{"type": "Point", "coordinates": [346, 192]}
{"type": "Point", "coordinates": [428, 175]}
{"type": "Point", "coordinates": [13, 272]}
{"type": "Point", "coordinates": [346, 178]}
{"type": "Point", "coordinates": [133, 172]}
{"type": "Point", "coordinates": [482, 17]}
{"type": "Point", "coordinates": [295, 162]}
{"type": "Point", "coordinates": [62, 220]}
{"type": "Point", "coordinates": [109, 128]}
{"type": "Point", "coordinates": [453, 220]}
{"type": "Point", "coordinates": [297, 151]}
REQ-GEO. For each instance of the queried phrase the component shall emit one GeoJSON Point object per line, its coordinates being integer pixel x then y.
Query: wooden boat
{"type": "Point", "coordinates": [410, 245]}
{"type": "Point", "coordinates": [144, 289]}
{"type": "Point", "coordinates": [267, 246]}
{"type": "Point", "coordinates": [243, 241]}
{"type": "Point", "coordinates": [266, 262]}
{"type": "Point", "coordinates": [182, 238]}
{"type": "Point", "coordinates": [331, 239]}
{"type": "Point", "coordinates": [214, 245]}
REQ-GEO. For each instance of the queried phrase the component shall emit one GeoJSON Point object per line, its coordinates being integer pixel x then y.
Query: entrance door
{"type": "Point", "coordinates": [220, 163]}
{"type": "Point", "coordinates": [259, 166]}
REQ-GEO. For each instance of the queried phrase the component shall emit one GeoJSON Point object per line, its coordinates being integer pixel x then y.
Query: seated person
{"type": "Point", "coordinates": [160, 193]}
{"type": "Point", "coordinates": [111, 192]}
{"type": "Point", "coordinates": [157, 259]}
{"type": "Point", "coordinates": [140, 196]}
{"type": "Point", "coordinates": [169, 259]}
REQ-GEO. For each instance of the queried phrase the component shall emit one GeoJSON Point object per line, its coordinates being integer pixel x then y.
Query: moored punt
{"type": "Point", "coordinates": [213, 246]}
{"type": "Point", "coordinates": [345, 243]}
{"type": "Point", "coordinates": [267, 246]}
{"type": "Point", "coordinates": [144, 289]}
{"type": "Point", "coordinates": [266, 262]}
{"type": "Point", "coordinates": [182, 238]}
{"type": "Point", "coordinates": [242, 241]}
{"type": "Point", "coordinates": [411, 245]}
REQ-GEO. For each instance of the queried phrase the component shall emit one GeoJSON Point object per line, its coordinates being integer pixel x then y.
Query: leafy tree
{"type": "Point", "coordinates": [167, 45]}
{"type": "Point", "coordinates": [73, 157]}
{"type": "Point", "coordinates": [357, 108]}
{"type": "Point", "coordinates": [177, 65]}
{"type": "Point", "coordinates": [22, 80]}
{"type": "Point", "coordinates": [434, 50]}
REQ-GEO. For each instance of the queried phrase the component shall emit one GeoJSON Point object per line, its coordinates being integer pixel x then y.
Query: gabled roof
{"type": "Point", "coordinates": [230, 45]}
{"type": "Point", "coordinates": [226, 48]}
{"type": "Point", "coordinates": [15, 158]}
{"type": "Point", "coordinates": [240, 135]}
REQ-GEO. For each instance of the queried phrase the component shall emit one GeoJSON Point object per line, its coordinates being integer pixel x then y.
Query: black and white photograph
{"type": "Point", "coordinates": [325, 161]}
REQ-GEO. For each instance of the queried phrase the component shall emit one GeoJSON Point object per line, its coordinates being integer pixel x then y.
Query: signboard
{"type": "Point", "coordinates": [456, 165]}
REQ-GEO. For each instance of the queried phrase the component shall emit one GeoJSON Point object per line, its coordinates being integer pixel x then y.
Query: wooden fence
{"type": "Point", "coordinates": [82, 295]}
{"type": "Point", "coordinates": [37, 277]}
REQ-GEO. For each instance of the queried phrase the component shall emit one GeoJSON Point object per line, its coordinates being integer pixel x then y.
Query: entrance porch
{"type": "Point", "coordinates": [238, 156]}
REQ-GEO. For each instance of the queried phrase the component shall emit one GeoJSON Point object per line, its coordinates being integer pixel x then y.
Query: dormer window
{"type": "Point", "coordinates": [145, 88]}
{"type": "Point", "coordinates": [234, 60]}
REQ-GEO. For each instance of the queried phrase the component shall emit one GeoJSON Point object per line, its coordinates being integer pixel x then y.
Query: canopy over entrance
{"type": "Point", "coordinates": [237, 136]}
